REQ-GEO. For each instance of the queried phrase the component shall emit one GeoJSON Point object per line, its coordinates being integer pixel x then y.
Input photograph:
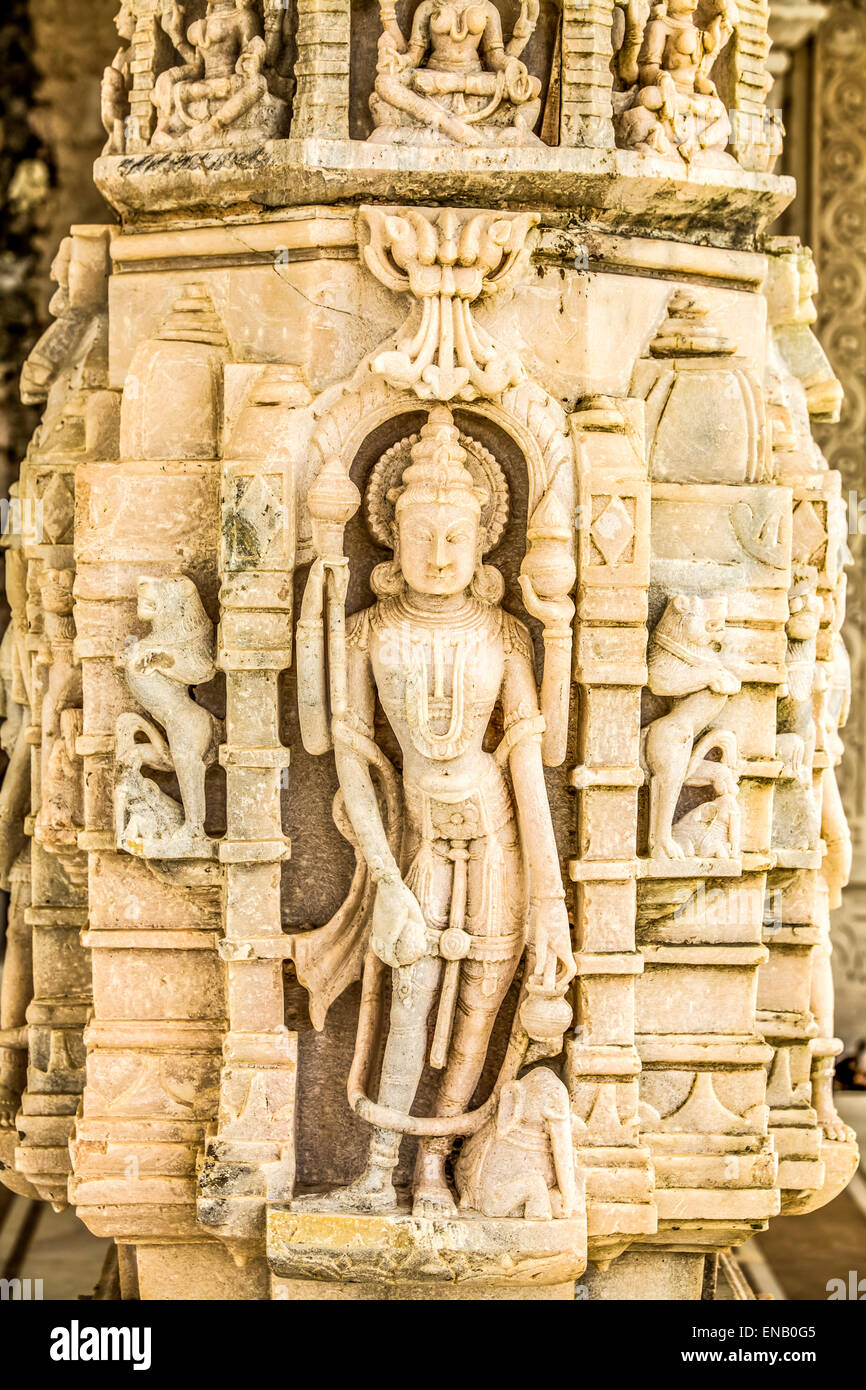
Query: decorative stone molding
{"type": "Point", "coordinates": [448, 262]}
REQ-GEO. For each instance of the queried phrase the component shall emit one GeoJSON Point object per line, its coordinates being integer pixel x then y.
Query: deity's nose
{"type": "Point", "coordinates": [440, 550]}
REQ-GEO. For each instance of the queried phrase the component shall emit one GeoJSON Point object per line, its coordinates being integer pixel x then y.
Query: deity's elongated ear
{"type": "Point", "coordinates": [387, 580]}
{"type": "Point", "coordinates": [488, 584]}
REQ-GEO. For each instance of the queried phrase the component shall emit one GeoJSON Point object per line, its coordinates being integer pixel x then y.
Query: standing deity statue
{"type": "Point", "coordinates": [456, 79]}
{"type": "Point", "coordinates": [668, 103]}
{"type": "Point", "coordinates": [462, 874]}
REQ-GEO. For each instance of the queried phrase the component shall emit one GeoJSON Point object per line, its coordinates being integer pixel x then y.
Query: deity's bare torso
{"type": "Point", "coordinates": [457, 31]}
{"type": "Point", "coordinates": [220, 39]}
{"type": "Point", "coordinates": [437, 685]}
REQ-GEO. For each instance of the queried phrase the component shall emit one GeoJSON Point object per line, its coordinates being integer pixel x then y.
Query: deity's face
{"type": "Point", "coordinates": [682, 9]}
{"type": "Point", "coordinates": [124, 21]}
{"type": "Point", "coordinates": [438, 546]}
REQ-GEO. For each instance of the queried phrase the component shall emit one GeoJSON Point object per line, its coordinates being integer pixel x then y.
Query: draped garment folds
{"type": "Point", "coordinates": [440, 832]}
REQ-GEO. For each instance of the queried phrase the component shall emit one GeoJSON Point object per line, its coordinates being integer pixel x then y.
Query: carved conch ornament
{"type": "Point", "coordinates": [448, 261]}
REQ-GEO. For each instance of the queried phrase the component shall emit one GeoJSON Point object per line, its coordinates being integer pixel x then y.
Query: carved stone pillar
{"type": "Point", "coordinates": [447, 507]}
{"type": "Point", "coordinates": [322, 70]}
{"type": "Point", "coordinates": [586, 83]}
{"type": "Point", "coordinates": [610, 668]}
{"type": "Point", "coordinates": [251, 1161]}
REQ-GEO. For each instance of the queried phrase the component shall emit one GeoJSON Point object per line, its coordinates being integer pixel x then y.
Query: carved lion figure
{"type": "Point", "coordinates": [160, 668]}
{"type": "Point", "coordinates": [684, 666]}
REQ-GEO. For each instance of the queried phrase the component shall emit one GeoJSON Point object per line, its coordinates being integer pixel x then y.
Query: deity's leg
{"type": "Point", "coordinates": [495, 904]}
{"type": "Point", "coordinates": [412, 993]}
{"type": "Point", "coordinates": [473, 1023]}
{"type": "Point", "coordinates": [395, 94]}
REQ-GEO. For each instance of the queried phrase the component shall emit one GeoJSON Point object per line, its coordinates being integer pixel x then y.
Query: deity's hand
{"type": "Point", "coordinates": [399, 932]}
{"type": "Point", "coordinates": [518, 83]}
{"type": "Point", "coordinates": [729, 13]}
{"type": "Point", "coordinates": [527, 19]}
{"type": "Point", "coordinates": [391, 59]}
{"type": "Point", "coordinates": [550, 932]}
{"type": "Point", "coordinates": [172, 19]}
{"type": "Point", "coordinates": [637, 16]}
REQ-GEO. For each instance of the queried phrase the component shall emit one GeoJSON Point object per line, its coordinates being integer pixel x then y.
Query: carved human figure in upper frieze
{"type": "Point", "coordinates": [160, 668]}
{"type": "Point", "coordinates": [116, 82]}
{"type": "Point", "coordinates": [228, 89]}
{"type": "Point", "coordinates": [456, 80]}
{"type": "Point", "coordinates": [463, 875]}
{"type": "Point", "coordinates": [685, 666]}
{"type": "Point", "coordinates": [667, 102]}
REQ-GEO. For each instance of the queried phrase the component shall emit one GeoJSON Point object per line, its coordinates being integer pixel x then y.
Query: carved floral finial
{"type": "Point", "coordinates": [447, 262]}
{"type": "Point", "coordinates": [333, 500]}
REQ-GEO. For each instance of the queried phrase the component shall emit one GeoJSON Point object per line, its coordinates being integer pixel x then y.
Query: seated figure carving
{"type": "Point", "coordinates": [114, 103]}
{"type": "Point", "coordinates": [456, 80]}
{"type": "Point", "coordinates": [223, 91]}
{"type": "Point", "coordinates": [667, 103]}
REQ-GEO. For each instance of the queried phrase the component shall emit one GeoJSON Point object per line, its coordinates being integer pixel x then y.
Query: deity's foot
{"type": "Point", "coordinates": [834, 1127]}
{"type": "Point", "coordinates": [372, 1192]}
{"type": "Point", "coordinates": [433, 1198]}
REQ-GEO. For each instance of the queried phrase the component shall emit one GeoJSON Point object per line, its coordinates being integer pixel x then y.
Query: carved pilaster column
{"type": "Point", "coordinates": [602, 1062]}
{"type": "Point", "coordinates": [65, 369]}
{"type": "Point", "coordinates": [321, 108]}
{"type": "Point", "coordinates": [144, 54]}
{"type": "Point", "coordinates": [587, 82]}
{"type": "Point", "coordinates": [158, 1018]}
{"type": "Point", "coordinates": [756, 134]}
{"type": "Point", "coordinates": [251, 1160]}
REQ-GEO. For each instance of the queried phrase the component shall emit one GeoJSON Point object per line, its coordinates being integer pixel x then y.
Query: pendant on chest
{"type": "Point", "coordinates": [441, 720]}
